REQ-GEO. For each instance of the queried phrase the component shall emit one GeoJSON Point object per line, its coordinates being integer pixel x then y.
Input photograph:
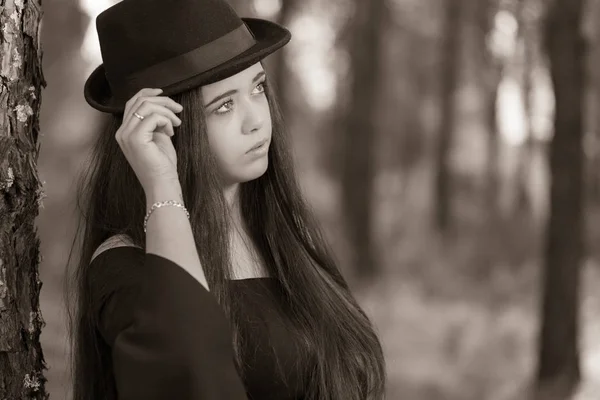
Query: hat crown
{"type": "Point", "coordinates": [175, 45]}
{"type": "Point", "coordinates": [134, 34]}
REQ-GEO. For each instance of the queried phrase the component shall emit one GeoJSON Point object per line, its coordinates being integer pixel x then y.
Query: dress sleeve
{"type": "Point", "coordinates": [168, 335]}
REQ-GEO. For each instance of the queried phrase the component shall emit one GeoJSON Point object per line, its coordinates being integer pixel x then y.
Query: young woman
{"type": "Point", "coordinates": [203, 274]}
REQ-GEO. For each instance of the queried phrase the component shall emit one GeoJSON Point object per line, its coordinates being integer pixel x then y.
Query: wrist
{"type": "Point", "coordinates": [162, 191]}
{"type": "Point", "coordinates": [156, 205]}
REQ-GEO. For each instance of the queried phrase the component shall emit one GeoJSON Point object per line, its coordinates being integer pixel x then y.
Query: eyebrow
{"type": "Point", "coordinates": [232, 92]}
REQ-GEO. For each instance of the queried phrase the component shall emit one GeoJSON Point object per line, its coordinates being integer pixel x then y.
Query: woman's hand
{"type": "Point", "coordinates": [146, 143]}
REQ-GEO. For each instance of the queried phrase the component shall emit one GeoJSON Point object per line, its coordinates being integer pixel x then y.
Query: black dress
{"type": "Point", "coordinates": [166, 337]}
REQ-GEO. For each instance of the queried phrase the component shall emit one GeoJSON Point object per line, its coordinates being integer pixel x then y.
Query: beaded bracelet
{"type": "Point", "coordinates": [160, 204]}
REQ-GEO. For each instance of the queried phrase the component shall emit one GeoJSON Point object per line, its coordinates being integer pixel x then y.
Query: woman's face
{"type": "Point", "coordinates": [239, 124]}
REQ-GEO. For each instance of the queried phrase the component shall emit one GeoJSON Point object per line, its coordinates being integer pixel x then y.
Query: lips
{"type": "Point", "coordinates": [258, 145]}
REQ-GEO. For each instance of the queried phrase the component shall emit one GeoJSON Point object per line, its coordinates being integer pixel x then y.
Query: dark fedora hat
{"type": "Point", "coordinates": [174, 45]}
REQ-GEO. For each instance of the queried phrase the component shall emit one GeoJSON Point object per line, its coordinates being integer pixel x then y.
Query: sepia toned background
{"type": "Point", "coordinates": [422, 133]}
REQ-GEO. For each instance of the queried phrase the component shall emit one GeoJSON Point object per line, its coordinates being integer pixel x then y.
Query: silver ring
{"type": "Point", "coordinates": [141, 117]}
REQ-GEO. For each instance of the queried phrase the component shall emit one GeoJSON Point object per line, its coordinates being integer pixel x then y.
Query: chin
{"type": "Point", "coordinates": [254, 170]}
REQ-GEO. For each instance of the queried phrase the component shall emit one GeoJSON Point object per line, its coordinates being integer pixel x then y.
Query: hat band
{"type": "Point", "coordinates": [187, 65]}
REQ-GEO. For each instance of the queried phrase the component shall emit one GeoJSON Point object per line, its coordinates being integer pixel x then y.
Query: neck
{"type": "Point", "coordinates": [232, 198]}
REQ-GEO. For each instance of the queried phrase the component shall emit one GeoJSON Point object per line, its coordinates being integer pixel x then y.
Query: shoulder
{"type": "Point", "coordinates": [115, 266]}
{"type": "Point", "coordinates": [117, 261]}
{"type": "Point", "coordinates": [115, 241]}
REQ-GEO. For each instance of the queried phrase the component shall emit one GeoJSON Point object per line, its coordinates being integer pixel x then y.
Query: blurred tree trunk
{"type": "Point", "coordinates": [412, 131]}
{"type": "Point", "coordinates": [282, 74]}
{"type": "Point", "coordinates": [244, 8]}
{"type": "Point", "coordinates": [593, 146]}
{"type": "Point", "coordinates": [558, 365]}
{"type": "Point", "coordinates": [64, 145]}
{"type": "Point", "coordinates": [449, 73]}
{"type": "Point", "coordinates": [21, 81]}
{"type": "Point", "coordinates": [523, 203]}
{"type": "Point", "coordinates": [493, 151]}
{"type": "Point", "coordinates": [492, 70]}
{"type": "Point", "coordinates": [360, 133]}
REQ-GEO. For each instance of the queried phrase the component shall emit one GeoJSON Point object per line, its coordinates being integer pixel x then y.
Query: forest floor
{"type": "Point", "coordinates": [441, 345]}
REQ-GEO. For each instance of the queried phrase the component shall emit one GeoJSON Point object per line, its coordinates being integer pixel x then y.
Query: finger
{"type": "Point", "coordinates": [144, 132]}
{"type": "Point", "coordinates": [166, 102]}
{"type": "Point", "coordinates": [120, 133]}
{"type": "Point", "coordinates": [130, 121]}
{"type": "Point", "coordinates": [166, 129]}
{"type": "Point", "coordinates": [141, 93]}
{"type": "Point", "coordinates": [148, 107]}
{"type": "Point", "coordinates": [164, 138]}
{"type": "Point", "coordinates": [142, 128]}
{"type": "Point", "coordinates": [135, 97]}
{"type": "Point", "coordinates": [164, 126]}
{"type": "Point", "coordinates": [138, 105]}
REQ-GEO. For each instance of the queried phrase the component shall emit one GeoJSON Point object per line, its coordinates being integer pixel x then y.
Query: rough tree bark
{"type": "Point", "coordinates": [449, 73]}
{"type": "Point", "coordinates": [21, 79]}
{"type": "Point", "coordinates": [360, 133]}
{"type": "Point", "coordinates": [558, 365]}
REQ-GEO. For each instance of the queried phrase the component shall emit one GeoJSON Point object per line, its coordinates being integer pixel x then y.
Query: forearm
{"type": "Point", "coordinates": [169, 233]}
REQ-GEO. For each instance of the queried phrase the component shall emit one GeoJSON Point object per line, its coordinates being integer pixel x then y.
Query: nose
{"type": "Point", "coordinates": [253, 117]}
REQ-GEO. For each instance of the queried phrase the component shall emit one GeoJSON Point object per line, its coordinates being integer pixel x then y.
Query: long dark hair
{"type": "Point", "coordinates": [333, 327]}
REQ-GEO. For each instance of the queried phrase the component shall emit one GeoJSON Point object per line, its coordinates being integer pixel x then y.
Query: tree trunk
{"type": "Point", "coordinates": [449, 73]}
{"type": "Point", "coordinates": [593, 173]}
{"type": "Point", "coordinates": [63, 147]}
{"type": "Point", "coordinates": [558, 365]}
{"type": "Point", "coordinates": [244, 8]}
{"type": "Point", "coordinates": [360, 133]}
{"type": "Point", "coordinates": [281, 73]}
{"type": "Point", "coordinates": [411, 131]}
{"type": "Point", "coordinates": [21, 80]}
{"type": "Point", "coordinates": [523, 203]}
{"type": "Point", "coordinates": [492, 69]}
{"type": "Point", "coordinates": [493, 151]}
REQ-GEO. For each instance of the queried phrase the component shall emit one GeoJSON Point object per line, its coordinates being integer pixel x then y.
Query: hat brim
{"type": "Point", "coordinates": [269, 37]}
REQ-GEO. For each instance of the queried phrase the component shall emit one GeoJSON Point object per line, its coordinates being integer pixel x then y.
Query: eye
{"type": "Point", "coordinates": [261, 87]}
{"type": "Point", "coordinates": [225, 107]}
